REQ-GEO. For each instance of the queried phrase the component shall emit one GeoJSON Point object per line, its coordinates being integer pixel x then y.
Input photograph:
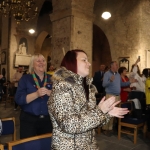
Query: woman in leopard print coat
{"type": "Point", "coordinates": [74, 114]}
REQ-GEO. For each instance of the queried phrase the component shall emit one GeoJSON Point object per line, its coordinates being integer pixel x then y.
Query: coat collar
{"type": "Point", "coordinates": [63, 74]}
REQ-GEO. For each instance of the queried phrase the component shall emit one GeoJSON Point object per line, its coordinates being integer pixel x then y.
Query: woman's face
{"type": "Point", "coordinates": [39, 64]}
{"type": "Point", "coordinates": [124, 73]}
{"type": "Point", "coordinates": [83, 66]}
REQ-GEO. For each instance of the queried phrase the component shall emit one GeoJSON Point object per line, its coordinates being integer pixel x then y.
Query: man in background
{"type": "Point", "coordinates": [112, 84]}
{"type": "Point", "coordinates": [98, 80]}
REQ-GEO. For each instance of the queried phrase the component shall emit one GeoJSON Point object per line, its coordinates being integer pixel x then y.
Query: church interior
{"type": "Point", "coordinates": [53, 27]}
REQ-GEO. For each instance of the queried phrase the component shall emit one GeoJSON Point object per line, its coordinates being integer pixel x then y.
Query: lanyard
{"type": "Point", "coordinates": [36, 80]}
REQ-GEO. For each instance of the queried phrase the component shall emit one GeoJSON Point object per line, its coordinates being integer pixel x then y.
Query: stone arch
{"type": "Point", "coordinates": [101, 49]}
{"type": "Point", "coordinates": [39, 41]}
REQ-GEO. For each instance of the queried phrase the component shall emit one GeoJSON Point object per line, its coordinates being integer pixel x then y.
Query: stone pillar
{"type": "Point", "coordinates": [72, 23]}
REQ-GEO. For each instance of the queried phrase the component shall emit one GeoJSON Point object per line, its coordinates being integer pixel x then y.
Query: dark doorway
{"type": "Point", "coordinates": [101, 49]}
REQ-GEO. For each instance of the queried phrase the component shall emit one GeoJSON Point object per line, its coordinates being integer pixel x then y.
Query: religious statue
{"type": "Point", "coordinates": [22, 49]}
{"type": "Point", "coordinates": [22, 58]}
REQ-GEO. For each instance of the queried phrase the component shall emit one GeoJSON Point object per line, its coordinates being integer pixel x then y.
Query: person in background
{"type": "Point", "coordinates": [139, 86]}
{"type": "Point", "coordinates": [2, 81]}
{"type": "Point", "coordinates": [147, 92]}
{"type": "Point", "coordinates": [16, 79]}
{"type": "Point", "coordinates": [106, 69]}
{"type": "Point", "coordinates": [124, 90]}
{"type": "Point", "coordinates": [72, 105]}
{"type": "Point", "coordinates": [112, 84]}
{"type": "Point", "coordinates": [147, 89]}
{"type": "Point", "coordinates": [32, 95]}
{"type": "Point", "coordinates": [51, 70]}
{"type": "Point", "coordinates": [135, 73]}
{"type": "Point", "coordinates": [124, 94]}
{"type": "Point", "coordinates": [3, 87]}
{"type": "Point", "coordinates": [25, 72]}
{"type": "Point", "coordinates": [98, 79]}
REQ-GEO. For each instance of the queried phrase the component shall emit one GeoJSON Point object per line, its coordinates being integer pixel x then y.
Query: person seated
{"type": "Point", "coordinates": [125, 90]}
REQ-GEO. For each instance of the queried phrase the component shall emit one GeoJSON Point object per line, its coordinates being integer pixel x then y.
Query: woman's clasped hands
{"type": "Point", "coordinates": [109, 106]}
{"type": "Point", "coordinates": [43, 91]}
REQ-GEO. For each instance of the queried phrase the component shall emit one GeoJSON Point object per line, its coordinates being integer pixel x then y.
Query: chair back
{"type": "Point", "coordinates": [41, 142]}
{"type": "Point", "coordinates": [1, 147]}
{"type": "Point", "coordinates": [8, 127]}
{"type": "Point", "coordinates": [129, 121]}
{"type": "Point", "coordinates": [128, 104]}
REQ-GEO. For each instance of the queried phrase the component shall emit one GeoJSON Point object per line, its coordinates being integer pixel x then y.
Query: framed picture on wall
{"type": "Point", "coordinates": [3, 57]}
{"type": "Point", "coordinates": [124, 62]}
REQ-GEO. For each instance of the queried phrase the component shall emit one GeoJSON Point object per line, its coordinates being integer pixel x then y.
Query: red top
{"type": "Point", "coordinates": [124, 94]}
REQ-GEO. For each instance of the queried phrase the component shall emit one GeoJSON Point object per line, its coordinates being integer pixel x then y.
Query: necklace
{"type": "Point", "coordinates": [36, 80]}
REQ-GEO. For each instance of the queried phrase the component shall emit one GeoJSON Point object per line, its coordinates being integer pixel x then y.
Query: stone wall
{"type": "Point", "coordinates": [145, 29]}
{"type": "Point", "coordinates": [61, 37]}
{"type": "Point", "coordinates": [128, 28]}
{"type": "Point", "coordinates": [127, 31]}
{"type": "Point", "coordinates": [72, 27]}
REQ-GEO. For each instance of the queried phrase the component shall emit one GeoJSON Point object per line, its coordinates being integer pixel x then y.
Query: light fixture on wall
{"type": "Point", "coordinates": [20, 9]}
{"type": "Point", "coordinates": [106, 14]}
{"type": "Point", "coordinates": [31, 31]}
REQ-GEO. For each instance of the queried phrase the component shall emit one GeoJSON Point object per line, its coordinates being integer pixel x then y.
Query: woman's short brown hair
{"type": "Point", "coordinates": [121, 69]}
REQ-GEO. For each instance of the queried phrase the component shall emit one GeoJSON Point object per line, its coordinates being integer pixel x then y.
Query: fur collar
{"type": "Point", "coordinates": [63, 74]}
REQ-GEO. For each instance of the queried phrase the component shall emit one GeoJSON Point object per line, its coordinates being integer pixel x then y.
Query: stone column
{"type": "Point", "coordinates": [72, 23]}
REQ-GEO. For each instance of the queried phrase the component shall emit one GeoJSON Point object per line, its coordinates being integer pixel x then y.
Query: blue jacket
{"type": "Point", "coordinates": [113, 87]}
{"type": "Point", "coordinates": [27, 86]}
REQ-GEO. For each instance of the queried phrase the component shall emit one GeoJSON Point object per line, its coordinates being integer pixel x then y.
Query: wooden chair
{"type": "Point", "coordinates": [8, 127]}
{"type": "Point", "coordinates": [130, 122]}
{"type": "Point", "coordinates": [40, 142]}
{"type": "Point", "coordinates": [1, 147]}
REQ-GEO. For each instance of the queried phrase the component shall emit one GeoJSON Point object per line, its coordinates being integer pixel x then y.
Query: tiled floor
{"type": "Point", "coordinates": [125, 143]}
{"type": "Point", "coordinates": [104, 142]}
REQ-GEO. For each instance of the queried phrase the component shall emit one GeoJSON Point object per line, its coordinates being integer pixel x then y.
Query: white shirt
{"type": "Point", "coordinates": [140, 85]}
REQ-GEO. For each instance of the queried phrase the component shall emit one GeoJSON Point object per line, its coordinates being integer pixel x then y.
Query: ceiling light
{"type": "Point", "coordinates": [31, 31]}
{"type": "Point", "coordinates": [106, 15]}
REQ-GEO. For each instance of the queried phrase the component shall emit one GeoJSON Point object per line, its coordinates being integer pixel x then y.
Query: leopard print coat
{"type": "Point", "coordinates": [73, 117]}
